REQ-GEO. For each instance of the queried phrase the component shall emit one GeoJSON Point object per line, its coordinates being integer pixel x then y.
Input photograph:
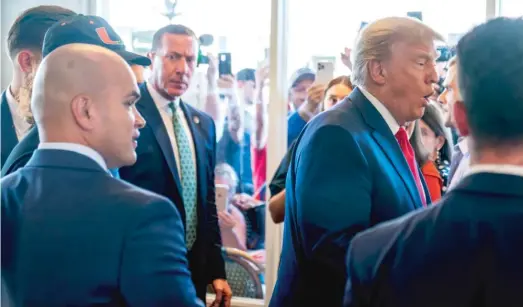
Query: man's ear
{"type": "Point", "coordinates": [83, 112]}
{"type": "Point", "coordinates": [377, 71]}
{"type": "Point", "coordinates": [151, 55]}
{"type": "Point", "coordinates": [460, 116]}
{"type": "Point", "coordinates": [27, 61]}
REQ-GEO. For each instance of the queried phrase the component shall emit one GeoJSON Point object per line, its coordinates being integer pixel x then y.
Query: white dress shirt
{"type": "Point", "coordinates": [80, 149]}
{"type": "Point", "coordinates": [167, 116]}
{"type": "Point", "coordinates": [464, 164]}
{"type": "Point", "coordinates": [21, 125]}
{"type": "Point", "coordinates": [384, 112]}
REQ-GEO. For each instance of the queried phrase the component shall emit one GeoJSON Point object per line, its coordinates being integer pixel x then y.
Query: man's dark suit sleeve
{"type": "Point", "coordinates": [154, 268]}
{"type": "Point", "coordinates": [354, 288]}
{"type": "Point", "coordinates": [216, 264]}
{"type": "Point", "coordinates": [333, 192]}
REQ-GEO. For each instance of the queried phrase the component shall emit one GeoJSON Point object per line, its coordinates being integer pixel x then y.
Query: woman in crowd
{"type": "Point", "coordinates": [335, 91]}
{"type": "Point", "coordinates": [432, 144]}
{"type": "Point", "coordinates": [231, 220]}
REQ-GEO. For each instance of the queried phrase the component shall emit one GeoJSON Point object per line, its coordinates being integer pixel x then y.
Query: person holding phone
{"type": "Point", "coordinates": [231, 220]}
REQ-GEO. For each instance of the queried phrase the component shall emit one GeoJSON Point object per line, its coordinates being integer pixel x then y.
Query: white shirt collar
{"type": "Point", "coordinates": [80, 149]}
{"type": "Point", "coordinates": [384, 112]}
{"type": "Point", "coordinates": [463, 146]}
{"type": "Point", "coordinates": [159, 100]}
{"type": "Point", "coordinates": [10, 99]}
{"type": "Point", "coordinates": [504, 169]}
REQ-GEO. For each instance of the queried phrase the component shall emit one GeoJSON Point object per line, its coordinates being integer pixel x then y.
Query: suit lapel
{"type": "Point", "coordinates": [387, 141]}
{"type": "Point", "coordinates": [149, 111]}
{"type": "Point", "coordinates": [193, 119]}
{"type": "Point", "coordinates": [9, 138]}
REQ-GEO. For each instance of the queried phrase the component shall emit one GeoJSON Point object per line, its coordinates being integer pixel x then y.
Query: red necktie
{"type": "Point", "coordinates": [408, 152]}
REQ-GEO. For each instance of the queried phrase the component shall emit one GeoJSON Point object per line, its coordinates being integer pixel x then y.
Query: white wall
{"type": "Point", "coordinates": [10, 9]}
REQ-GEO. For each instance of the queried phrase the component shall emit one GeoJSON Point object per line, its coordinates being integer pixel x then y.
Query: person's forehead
{"type": "Point", "coordinates": [305, 83]}
{"type": "Point", "coordinates": [415, 48]}
{"type": "Point", "coordinates": [336, 88]}
{"type": "Point", "coordinates": [179, 43]}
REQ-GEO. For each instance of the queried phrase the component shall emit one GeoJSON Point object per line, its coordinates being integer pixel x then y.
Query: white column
{"type": "Point", "coordinates": [277, 144]}
{"type": "Point", "coordinates": [492, 9]}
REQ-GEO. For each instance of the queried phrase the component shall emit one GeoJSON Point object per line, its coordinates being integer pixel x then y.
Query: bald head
{"type": "Point", "coordinates": [71, 71]}
{"type": "Point", "coordinates": [86, 94]}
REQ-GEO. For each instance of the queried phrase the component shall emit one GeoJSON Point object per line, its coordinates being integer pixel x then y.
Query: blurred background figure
{"type": "Point", "coordinates": [432, 144]}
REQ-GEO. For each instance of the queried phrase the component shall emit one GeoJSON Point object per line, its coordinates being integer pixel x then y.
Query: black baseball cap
{"type": "Point", "coordinates": [91, 30]}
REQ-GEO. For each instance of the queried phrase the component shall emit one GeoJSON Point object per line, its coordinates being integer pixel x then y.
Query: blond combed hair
{"type": "Point", "coordinates": [375, 40]}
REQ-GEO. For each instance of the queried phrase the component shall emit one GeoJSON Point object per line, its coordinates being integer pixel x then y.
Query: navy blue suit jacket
{"type": "Point", "coordinates": [156, 170]}
{"type": "Point", "coordinates": [7, 133]}
{"type": "Point", "coordinates": [466, 251]}
{"type": "Point", "coordinates": [347, 174]}
{"type": "Point", "coordinates": [72, 235]}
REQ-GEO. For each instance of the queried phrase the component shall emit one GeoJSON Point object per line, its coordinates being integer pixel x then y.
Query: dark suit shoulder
{"type": "Point", "coordinates": [344, 116]}
{"type": "Point", "coordinates": [373, 247]}
{"type": "Point", "coordinates": [138, 199]}
{"type": "Point", "coordinates": [22, 152]}
{"type": "Point", "coordinates": [203, 116]}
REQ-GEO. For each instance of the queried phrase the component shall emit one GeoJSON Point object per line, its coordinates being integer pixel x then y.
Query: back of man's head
{"type": "Point", "coordinates": [85, 94]}
{"type": "Point", "coordinates": [490, 74]}
{"type": "Point", "coordinates": [28, 30]}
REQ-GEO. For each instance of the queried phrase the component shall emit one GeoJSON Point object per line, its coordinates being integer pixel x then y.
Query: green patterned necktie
{"type": "Point", "coordinates": [187, 175]}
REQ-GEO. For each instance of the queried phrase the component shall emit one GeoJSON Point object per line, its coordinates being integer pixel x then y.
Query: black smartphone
{"type": "Point", "coordinates": [417, 15]}
{"type": "Point", "coordinates": [224, 64]}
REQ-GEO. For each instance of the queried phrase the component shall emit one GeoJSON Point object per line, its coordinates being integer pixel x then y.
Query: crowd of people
{"type": "Point", "coordinates": [402, 184]}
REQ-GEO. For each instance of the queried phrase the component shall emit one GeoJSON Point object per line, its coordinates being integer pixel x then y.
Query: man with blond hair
{"type": "Point", "coordinates": [467, 250]}
{"type": "Point", "coordinates": [353, 166]}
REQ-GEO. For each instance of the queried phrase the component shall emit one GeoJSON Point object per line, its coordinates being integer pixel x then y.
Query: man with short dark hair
{"type": "Point", "coordinates": [467, 250]}
{"type": "Point", "coordinates": [92, 30]}
{"type": "Point", "coordinates": [24, 45]}
{"type": "Point", "coordinates": [177, 154]}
